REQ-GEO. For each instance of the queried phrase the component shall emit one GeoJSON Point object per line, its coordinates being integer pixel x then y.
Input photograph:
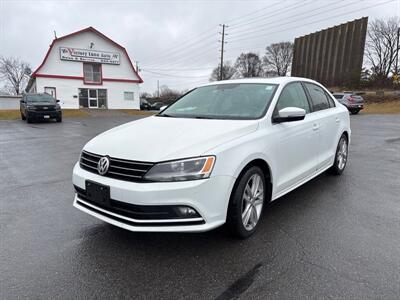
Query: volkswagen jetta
{"type": "Point", "coordinates": [216, 156]}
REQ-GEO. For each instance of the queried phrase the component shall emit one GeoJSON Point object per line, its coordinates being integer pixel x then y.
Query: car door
{"type": "Point", "coordinates": [325, 114]}
{"type": "Point", "coordinates": [296, 153]}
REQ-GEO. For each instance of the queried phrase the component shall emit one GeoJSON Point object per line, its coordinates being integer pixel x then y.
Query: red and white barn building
{"type": "Point", "coordinates": [88, 69]}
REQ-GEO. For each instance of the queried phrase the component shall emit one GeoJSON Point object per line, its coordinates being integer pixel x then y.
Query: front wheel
{"type": "Point", "coordinates": [247, 202]}
{"type": "Point", "coordinates": [354, 111]}
{"type": "Point", "coordinates": [23, 117]}
{"type": "Point", "coordinates": [59, 118]}
{"type": "Point", "coordinates": [29, 119]}
{"type": "Point", "coordinates": [342, 152]}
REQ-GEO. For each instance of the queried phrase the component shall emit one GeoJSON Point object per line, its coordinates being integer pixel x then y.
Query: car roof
{"type": "Point", "coordinates": [270, 80]}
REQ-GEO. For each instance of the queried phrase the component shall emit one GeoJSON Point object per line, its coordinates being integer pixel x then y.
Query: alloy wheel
{"type": "Point", "coordinates": [341, 157]}
{"type": "Point", "coordinates": [252, 201]}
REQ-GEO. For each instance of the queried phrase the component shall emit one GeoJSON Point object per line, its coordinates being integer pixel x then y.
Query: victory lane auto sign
{"type": "Point", "coordinates": [84, 55]}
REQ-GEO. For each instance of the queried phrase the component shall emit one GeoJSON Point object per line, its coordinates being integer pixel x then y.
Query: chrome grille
{"type": "Point", "coordinates": [122, 169]}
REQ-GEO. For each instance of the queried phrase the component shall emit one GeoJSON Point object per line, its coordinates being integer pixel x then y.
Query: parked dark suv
{"type": "Point", "coordinates": [40, 106]}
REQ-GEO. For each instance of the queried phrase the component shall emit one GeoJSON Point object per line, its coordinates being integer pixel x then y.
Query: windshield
{"type": "Point", "coordinates": [40, 98]}
{"type": "Point", "coordinates": [224, 101]}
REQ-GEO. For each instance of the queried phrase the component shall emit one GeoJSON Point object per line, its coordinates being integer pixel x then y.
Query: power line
{"type": "Point", "coordinates": [311, 23]}
{"type": "Point", "coordinates": [173, 75]}
{"type": "Point", "coordinates": [179, 69]}
{"type": "Point", "coordinates": [251, 13]}
{"type": "Point", "coordinates": [302, 15]}
{"type": "Point", "coordinates": [277, 12]}
{"type": "Point", "coordinates": [183, 44]}
{"type": "Point", "coordinates": [179, 53]}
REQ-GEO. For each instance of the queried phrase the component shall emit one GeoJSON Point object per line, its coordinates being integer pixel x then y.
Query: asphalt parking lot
{"type": "Point", "coordinates": [335, 237]}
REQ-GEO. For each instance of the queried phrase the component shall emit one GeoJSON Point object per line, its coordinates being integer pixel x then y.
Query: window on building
{"type": "Point", "coordinates": [91, 73]}
{"type": "Point", "coordinates": [128, 96]}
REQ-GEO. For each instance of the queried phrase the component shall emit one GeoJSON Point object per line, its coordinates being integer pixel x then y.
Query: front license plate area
{"type": "Point", "coordinates": [46, 116]}
{"type": "Point", "coordinates": [98, 193]}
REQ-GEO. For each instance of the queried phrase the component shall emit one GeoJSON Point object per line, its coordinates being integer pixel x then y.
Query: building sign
{"type": "Point", "coordinates": [85, 55]}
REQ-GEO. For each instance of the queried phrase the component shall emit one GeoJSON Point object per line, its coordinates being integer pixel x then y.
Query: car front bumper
{"type": "Point", "coordinates": [209, 197]}
{"type": "Point", "coordinates": [44, 114]}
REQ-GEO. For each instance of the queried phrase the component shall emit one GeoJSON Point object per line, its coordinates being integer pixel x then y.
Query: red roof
{"type": "Point", "coordinates": [88, 29]}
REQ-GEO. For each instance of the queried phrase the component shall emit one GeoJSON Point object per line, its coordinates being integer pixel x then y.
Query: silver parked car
{"type": "Point", "coordinates": [353, 102]}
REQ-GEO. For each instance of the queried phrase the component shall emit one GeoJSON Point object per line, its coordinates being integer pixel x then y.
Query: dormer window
{"type": "Point", "coordinates": [92, 73]}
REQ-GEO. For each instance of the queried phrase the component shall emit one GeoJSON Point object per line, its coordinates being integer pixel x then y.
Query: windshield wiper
{"type": "Point", "coordinates": [165, 115]}
{"type": "Point", "coordinates": [203, 117]}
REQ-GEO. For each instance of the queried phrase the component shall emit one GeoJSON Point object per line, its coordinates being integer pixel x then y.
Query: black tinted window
{"type": "Point", "coordinates": [318, 97]}
{"type": "Point", "coordinates": [293, 95]}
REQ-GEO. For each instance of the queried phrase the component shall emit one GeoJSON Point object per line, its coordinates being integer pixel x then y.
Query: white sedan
{"type": "Point", "coordinates": [214, 157]}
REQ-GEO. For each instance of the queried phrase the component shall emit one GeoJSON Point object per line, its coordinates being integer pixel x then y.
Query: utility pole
{"type": "Point", "coordinates": [222, 51]}
{"type": "Point", "coordinates": [397, 52]}
{"type": "Point", "coordinates": [158, 88]}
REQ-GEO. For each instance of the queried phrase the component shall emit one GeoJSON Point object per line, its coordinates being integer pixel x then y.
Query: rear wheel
{"type": "Point", "coordinates": [340, 156]}
{"type": "Point", "coordinates": [247, 202]}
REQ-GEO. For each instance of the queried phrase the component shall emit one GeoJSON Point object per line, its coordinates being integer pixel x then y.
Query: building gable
{"type": "Point", "coordinates": [88, 39]}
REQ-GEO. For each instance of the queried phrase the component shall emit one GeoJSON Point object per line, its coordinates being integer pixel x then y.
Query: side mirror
{"type": "Point", "coordinates": [22, 101]}
{"type": "Point", "coordinates": [163, 107]}
{"type": "Point", "coordinates": [57, 100]}
{"type": "Point", "coordinates": [289, 114]}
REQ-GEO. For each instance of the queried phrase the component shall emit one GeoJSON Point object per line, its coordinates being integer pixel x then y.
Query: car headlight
{"type": "Point", "coordinates": [181, 170]}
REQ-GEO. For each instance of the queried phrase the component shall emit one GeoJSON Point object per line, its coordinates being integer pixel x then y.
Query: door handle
{"type": "Point", "coordinates": [315, 127]}
{"type": "Point", "coordinates": [337, 120]}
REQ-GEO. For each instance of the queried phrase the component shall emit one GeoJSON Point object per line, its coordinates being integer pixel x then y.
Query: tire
{"type": "Point", "coordinates": [23, 118]}
{"type": "Point", "coordinates": [354, 111]}
{"type": "Point", "coordinates": [29, 119]}
{"type": "Point", "coordinates": [236, 218]}
{"type": "Point", "coordinates": [341, 156]}
{"type": "Point", "coordinates": [59, 118]}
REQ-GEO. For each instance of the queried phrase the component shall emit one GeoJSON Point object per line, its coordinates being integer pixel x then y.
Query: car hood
{"type": "Point", "coordinates": [156, 139]}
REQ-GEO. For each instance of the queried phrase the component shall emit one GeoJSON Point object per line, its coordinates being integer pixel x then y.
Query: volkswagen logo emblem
{"type": "Point", "coordinates": [103, 165]}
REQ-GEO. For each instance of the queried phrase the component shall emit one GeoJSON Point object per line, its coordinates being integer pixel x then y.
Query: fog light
{"type": "Point", "coordinates": [186, 211]}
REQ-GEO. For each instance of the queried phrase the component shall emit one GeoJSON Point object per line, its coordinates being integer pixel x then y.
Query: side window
{"type": "Point", "coordinates": [318, 97]}
{"type": "Point", "coordinates": [330, 100]}
{"type": "Point", "coordinates": [293, 95]}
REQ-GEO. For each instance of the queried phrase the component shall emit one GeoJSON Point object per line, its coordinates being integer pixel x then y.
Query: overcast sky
{"type": "Point", "coordinates": [176, 42]}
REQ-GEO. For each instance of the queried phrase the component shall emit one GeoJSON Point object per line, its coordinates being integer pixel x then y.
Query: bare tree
{"type": "Point", "coordinates": [249, 65]}
{"type": "Point", "coordinates": [278, 58]}
{"type": "Point", "coordinates": [227, 72]}
{"type": "Point", "coordinates": [15, 72]}
{"type": "Point", "coordinates": [166, 95]}
{"type": "Point", "coordinates": [382, 47]}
